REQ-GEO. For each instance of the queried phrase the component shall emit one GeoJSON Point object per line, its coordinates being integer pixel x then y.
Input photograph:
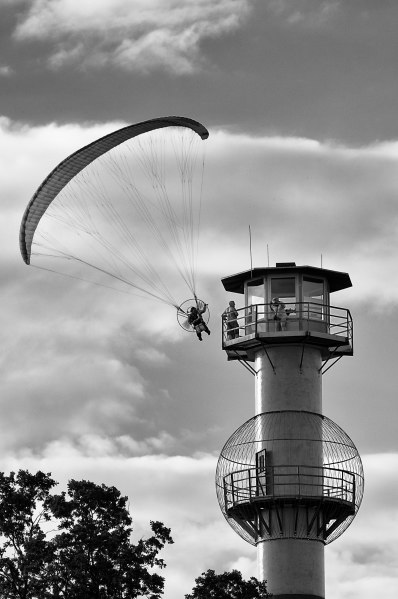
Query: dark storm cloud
{"type": "Point", "coordinates": [315, 69]}
{"type": "Point", "coordinates": [138, 36]}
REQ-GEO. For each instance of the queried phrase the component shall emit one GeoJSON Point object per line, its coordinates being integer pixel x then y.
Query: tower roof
{"type": "Point", "coordinates": [337, 280]}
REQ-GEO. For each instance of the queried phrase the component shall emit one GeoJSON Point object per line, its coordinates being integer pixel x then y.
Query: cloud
{"type": "Point", "coordinates": [94, 445]}
{"type": "Point", "coordinates": [81, 360]}
{"type": "Point", "coordinates": [308, 197]}
{"type": "Point", "coordinates": [306, 13]}
{"type": "Point", "coordinates": [60, 373]}
{"type": "Point", "coordinates": [29, 153]}
{"type": "Point", "coordinates": [6, 71]}
{"type": "Point", "coordinates": [138, 35]}
{"type": "Point", "coordinates": [77, 372]}
{"type": "Point", "coordinates": [305, 198]}
{"type": "Point", "coordinates": [366, 557]}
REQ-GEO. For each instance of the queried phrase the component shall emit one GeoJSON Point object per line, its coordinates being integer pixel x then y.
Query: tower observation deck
{"type": "Point", "coordinates": [306, 315]}
{"type": "Point", "coordinates": [289, 480]}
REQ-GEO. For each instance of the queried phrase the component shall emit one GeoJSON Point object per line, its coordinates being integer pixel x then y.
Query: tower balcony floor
{"type": "Point", "coordinates": [310, 517]}
{"type": "Point", "coordinates": [291, 501]}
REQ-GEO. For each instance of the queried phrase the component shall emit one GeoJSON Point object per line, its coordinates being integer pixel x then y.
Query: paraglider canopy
{"type": "Point", "coordinates": [121, 206]}
{"type": "Point", "coordinates": [76, 162]}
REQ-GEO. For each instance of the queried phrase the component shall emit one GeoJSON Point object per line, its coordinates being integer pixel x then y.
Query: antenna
{"type": "Point", "coordinates": [321, 260]}
{"type": "Point", "coordinates": [267, 254]}
{"type": "Point", "coordinates": [250, 246]}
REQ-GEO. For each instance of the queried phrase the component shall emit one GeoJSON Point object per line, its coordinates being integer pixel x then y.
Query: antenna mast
{"type": "Point", "coordinates": [250, 248]}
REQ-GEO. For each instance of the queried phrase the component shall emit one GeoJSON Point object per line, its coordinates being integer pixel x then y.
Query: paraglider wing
{"type": "Point", "coordinates": [76, 162]}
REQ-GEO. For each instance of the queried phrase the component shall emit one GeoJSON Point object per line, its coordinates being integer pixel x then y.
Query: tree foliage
{"type": "Point", "coordinates": [75, 544]}
{"type": "Point", "coordinates": [229, 585]}
{"type": "Point", "coordinates": [25, 553]}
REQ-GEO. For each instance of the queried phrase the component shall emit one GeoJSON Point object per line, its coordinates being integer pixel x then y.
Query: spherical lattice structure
{"type": "Point", "coordinates": [291, 474]}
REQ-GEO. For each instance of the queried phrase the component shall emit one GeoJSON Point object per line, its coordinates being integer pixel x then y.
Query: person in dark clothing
{"type": "Point", "coordinates": [231, 315]}
{"type": "Point", "coordinates": [196, 321]}
{"type": "Point", "coordinates": [280, 312]}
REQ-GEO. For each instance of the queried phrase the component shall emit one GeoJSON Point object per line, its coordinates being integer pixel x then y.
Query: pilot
{"type": "Point", "coordinates": [195, 319]}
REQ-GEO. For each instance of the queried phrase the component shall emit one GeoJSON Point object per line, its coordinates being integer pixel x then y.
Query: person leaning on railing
{"type": "Point", "coordinates": [230, 314]}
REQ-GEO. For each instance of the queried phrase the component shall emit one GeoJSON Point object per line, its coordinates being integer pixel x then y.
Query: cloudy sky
{"type": "Point", "coordinates": [300, 98]}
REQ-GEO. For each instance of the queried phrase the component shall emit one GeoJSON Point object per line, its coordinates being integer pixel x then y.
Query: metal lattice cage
{"type": "Point", "coordinates": [291, 474]}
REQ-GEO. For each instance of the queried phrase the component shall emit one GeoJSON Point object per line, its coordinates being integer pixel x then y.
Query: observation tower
{"type": "Point", "coordinates": [289, 480]}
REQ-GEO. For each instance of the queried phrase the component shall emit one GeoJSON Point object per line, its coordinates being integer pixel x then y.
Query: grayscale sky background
{"type": "Point", "coordinates": [300, 98]}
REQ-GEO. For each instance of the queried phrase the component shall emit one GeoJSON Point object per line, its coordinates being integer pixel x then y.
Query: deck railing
{"type": "Point", "coordinates": [297, 316]}
{"type": "Point", "coordinates": [299, 482]}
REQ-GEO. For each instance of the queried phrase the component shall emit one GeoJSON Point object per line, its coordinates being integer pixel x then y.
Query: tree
{"type": "Point", "coordinates": [94, 554]}
{"type": "Point", "coordinates": [89, 554]}
{"type": "Point", "coordinates": [24, 551]}
{"type": "Point", "coordinates": [229, 585]}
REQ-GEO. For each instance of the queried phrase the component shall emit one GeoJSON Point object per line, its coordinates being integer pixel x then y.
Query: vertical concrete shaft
{"type": "Point", "coordinates": [289, 387]}
{"type": "Point", "coordinates": [293, 568]}
{"type": "Point", "coordinates": [288, 378]}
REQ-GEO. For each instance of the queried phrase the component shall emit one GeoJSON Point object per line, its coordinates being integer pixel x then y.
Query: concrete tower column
{"type": "Point", "coordinates": [294, 568]}
{"type": "Point", "coordinates": [288, 378]}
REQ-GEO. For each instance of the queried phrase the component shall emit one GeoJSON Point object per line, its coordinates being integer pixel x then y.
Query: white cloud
{"type": "Point", "coordinates": [71, 350]}
{"type": "Point", "coordinates": [6, 71]}
{"type": "Point", "coordinates": [130, 34]}
{"type": "Point", "coordinates": [365, 558]}
{"type": "Point", "coordinates": [302, 197]}
{"type": "Point", "coordinates": [305, 198]}
{"type": "Point", "coordinates": [29, 153]}
{"type": "Point", "coordinates": [150, 354]}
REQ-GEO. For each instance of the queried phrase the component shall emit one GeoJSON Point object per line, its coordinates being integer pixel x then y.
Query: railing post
{"type": "Point", "coordinates": [299, 481]}
{"type": "Point", "coordinates": [225, 492]}
{"type": "Point", "coordinates": [353, 489]}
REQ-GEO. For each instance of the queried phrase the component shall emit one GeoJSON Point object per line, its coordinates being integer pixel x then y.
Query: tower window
{"type": "Point", "coordinates": [313, 295]}
{"type": "Point", "coordinates": [255, 292]}
{"type": "Point", "coordinates": [284, 288]}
